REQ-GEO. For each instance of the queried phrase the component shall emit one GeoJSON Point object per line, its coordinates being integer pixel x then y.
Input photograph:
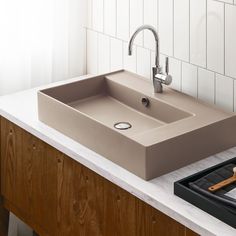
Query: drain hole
{"type": "Point", "coordinates": [122, 125]}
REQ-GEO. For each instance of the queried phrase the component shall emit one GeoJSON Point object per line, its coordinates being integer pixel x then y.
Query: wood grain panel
{"type": "Point", "coordinates": [81, 201]}
{"type": "Point", "coordinates": [57, 196]}
{"type": "Point", "coordinates": [44, 184]}
{"type": "Point", "coordinates": [4, 215]}
{"type": "Point", "coordinates": [29, 176]}
{"type": "Point", "coordinates": [189, 232]}
{"type": "Point", "coordinates": [153, 222]}
{"type": "Point", "coordinates": [119, 217]}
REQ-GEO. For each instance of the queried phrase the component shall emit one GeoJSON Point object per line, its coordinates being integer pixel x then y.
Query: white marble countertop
{"type": "Point", "coordinates": [21, 108]}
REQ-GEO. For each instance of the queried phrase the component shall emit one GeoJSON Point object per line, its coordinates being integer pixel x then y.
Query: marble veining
{"type": "Point", "coordinates": [21, 109]}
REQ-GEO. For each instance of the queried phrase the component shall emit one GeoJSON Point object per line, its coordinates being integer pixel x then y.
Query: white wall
{"type": "Point", "coordinates": [199, 36]}
{"type": "Point", "coordinates": [41, 41]}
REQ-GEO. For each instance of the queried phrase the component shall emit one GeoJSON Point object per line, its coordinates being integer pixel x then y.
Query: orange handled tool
{"type": "Point", "coordinates": [224, 183]}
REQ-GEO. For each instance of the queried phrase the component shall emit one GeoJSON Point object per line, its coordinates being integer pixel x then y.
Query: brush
{"type": "Point", "coordinates": [224, 183]}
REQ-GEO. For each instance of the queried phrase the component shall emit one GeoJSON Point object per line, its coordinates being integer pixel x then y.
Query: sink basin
{"type": "Point", "coordinates": [118, 116]}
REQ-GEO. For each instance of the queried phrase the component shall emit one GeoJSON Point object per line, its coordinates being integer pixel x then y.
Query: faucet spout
{"type": "Point", "coordinates": [159, 77]}
{"type": "Point", "coordinates": [153, 30]}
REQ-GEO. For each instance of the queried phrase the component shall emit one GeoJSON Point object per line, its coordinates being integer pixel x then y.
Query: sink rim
{"type": "Point", "coordinates": [148, 154]}
{"type": "Point", "coordinates": [167, 131]}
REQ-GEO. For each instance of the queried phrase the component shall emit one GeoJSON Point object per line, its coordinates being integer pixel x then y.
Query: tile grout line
{"type": "Point", "coordinates": [86, 51]}
{"type": "Point", "coordinates": [129, 20]}
{"type": "Point", "coordinates": [143, 21]}
{"type": "Point", "coordinates": [233, 96]}
{"type": "Point", "coordinates": [97, 35]}
{"type": "Point", "coordinates": [103, 16]}
{"type": "Point", "coordinates": [189, 26]}
{"type": "Point", "coordinates": [197, 81]}
{"type": "Point", "coordinates": [116, 16]}
{"type": "Point", "coordinates": [206, 33]}
{"type": "Point", "coordinates": [181, 78]}
{"type": "Point", "coordinates": [224, 38]}
{"type": "Point", "coordinates": [173, 28]}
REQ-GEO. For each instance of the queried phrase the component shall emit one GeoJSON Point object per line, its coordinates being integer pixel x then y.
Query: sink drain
{"type": "Point", "coordinates": [122, 125]}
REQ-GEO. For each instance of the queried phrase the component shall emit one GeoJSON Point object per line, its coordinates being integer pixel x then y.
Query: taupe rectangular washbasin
{"type": "Point", "coordinates": [118, 116]}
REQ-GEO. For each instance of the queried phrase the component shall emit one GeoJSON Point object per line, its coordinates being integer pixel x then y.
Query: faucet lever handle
{"type": "Point", "coordinates": [167, 65]}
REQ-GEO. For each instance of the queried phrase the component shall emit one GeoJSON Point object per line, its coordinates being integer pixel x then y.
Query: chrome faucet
{"type": "Point", "coordinates": [158, 76]}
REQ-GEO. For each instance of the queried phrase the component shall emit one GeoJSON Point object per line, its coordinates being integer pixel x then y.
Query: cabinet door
{"type": "Point", "coordinates": [29, 177]}
{"type": "Point", "coordinates": [119, 211]}
{"type": "Point", "coordinates": [80, 201]}
{"type": "Point", "coordinates": [152, 222]}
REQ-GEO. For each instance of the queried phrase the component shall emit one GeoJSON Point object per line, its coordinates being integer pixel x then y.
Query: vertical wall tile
{"type": "Point", "coordinates": [92, 52]}
{"type": "Point", "coordinates": [176, 72]}
{"type": "Point", "coordinates": [130, 62]}
{"type": "Point", "coordinates": [110, 17]}
{"type": "Point", "coordinates": [103, 54]}
{"type": "Point", "coordinates": [136, 19]}
{"type": "Point", "coordinates": [206, 85]}
{"type": "Point", "coordinates": [166, 26]}
{"type": "Point", "coordinates": [181, 29]}
{"type": "Point", "coordinates": [98, 15]}
{"type": "Point", "coordinates": [189, 79]}
{"type": "Point", "coordinates": [198, 32]}
{"type": "Point", "coordinates": [230, 40]}
{"type": "Point", "coordinates": [143, 62]}
{"type": "Point", "coordinates": [90, 14]}
{"type": "Point", "coordinates": [235, 93]}
{"type": "Point", "coordinates": [150, 18]}
{"type": "Point", "coordinates": [123, 19]}
{"type": "Point", "coordinates": [224, 92]}
{"type": "Point", "coordinates": [116, 54]}
{"type": "Point", "coordinates": [215, 36]}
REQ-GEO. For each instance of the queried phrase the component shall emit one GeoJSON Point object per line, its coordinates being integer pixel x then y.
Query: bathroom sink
{"type": "Point", "coordinates": [118, 116]}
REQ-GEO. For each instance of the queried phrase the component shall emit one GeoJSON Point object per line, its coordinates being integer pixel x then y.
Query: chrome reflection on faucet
{"type": "Point", "coordinates": [159, 77]}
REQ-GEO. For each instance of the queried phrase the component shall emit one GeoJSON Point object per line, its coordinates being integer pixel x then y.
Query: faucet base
{"type": "Point", "coordinates": [158, 88]}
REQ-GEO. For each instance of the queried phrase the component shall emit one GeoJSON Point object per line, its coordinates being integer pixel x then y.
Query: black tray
{"type": "Point", "coordinates": [216, 209]}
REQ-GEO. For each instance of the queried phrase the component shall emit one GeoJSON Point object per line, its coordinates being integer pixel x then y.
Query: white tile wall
{"type": "Point", "coordinates": [198, 35]}
{"type": "Point", "coordinates": [166, 26]}
{"type": "Point", "coordinates": [198, 32]}
{"type": "Point", "coordinates": [206, 85]}
{"type": "Point", "coordinates": [143, 62]}
{"type": "Point", "coordinates": [224, 92]}
{"type": "Point", "coordinates": [230, 39]}
{"type": "Point", "coordinates": [151, 18]}
{"type": "Point", "coordinates": [181, 29]}
{"type": "Point", "coordinates": [97, 15]}
{"type": "Point", "coordinates": [215, 36]}
{"type": "Point", "coordinates": [110, 17]}
{"type": "Point", "coordinates": [116, 54]}
{"type": "Point", "coordinates": [136, 19]}
{"type": "Point", "coordinates": [189, 79]}
{"type": "Point", "coordinates": [123, 19]}
{"type": "Point", "coordinates": [92, 52]}
{"type": "Point", "coordinates": [130, 62]}
{"type": "Point", "coordinates": [103, 53]}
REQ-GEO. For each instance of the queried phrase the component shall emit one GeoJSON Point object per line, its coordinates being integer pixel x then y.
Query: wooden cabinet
{"type": "Point", "coordinates": [4, 215]}
{"type": "Point", "coordinates": [57, 196]}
